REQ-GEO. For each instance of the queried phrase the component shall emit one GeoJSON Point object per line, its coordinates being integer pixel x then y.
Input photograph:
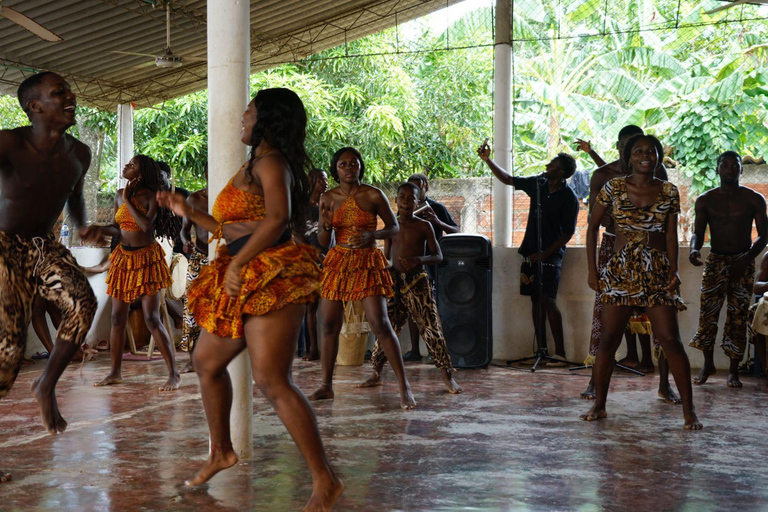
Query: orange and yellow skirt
{"type": "Point", "coordinates": [353, 274]}
{"type": "Point", "coordinates": [133, 274]}
{"type": "Point", "coordinates": [278, 276]}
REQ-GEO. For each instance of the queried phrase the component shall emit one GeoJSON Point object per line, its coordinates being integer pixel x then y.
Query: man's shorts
{"type": "Point", "coordinates": [551, 271]}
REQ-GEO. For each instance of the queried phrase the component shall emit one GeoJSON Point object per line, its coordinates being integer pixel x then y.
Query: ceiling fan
{"type": "Point", "coordinates": [28, 24]}
{"type": "Point", "coordinates": [167, 59]}
{"type": "Point", "coordinates": [735, 3]}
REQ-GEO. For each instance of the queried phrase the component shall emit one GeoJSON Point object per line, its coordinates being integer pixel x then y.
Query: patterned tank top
{"type": "Point", "coordinates": [125, 220]}
{"type": "Point", "coordinates": [349, 218]}
{"type": "Point", "coordinates": [235, 205]}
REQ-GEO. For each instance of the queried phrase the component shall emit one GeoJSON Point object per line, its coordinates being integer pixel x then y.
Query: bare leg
{"type": "Point", "coordinates": [120, 312]}
{"type": "Point", "coordinates": [665, 390]}
{"type": "Point", "coordinates": [44, 387]}
{"type": "Point", "coordinates": [190, 366]}
{"type": "Point", "coordinates": [376, 313]}
{"type": "Point", "coordinates": [733, 374]}
{"type": "Point", "coordinates": [589, 393]}
{"type": "Point", "coordinates": [375, 378]}
{"type": "Point", "coordinates": [212, 356]}
{"type": "Point", "coordinates": [176, 311]}
{"type": "Point", "coordinates": [150, 304]}
{"type": "Point", "coordinates": [314, 353]}
{"type": "Point", "coordinates": [646, 364]}
{"type": "Point", "coordinates": [40, 324]}
{"type": "Point", "coordinates": [415, 353]}
{"type": "Point", "coordinates": [759, 342]}
{"type": "Point", "coordinates": [708, 368]}
{"type": "Point", "coordinates": [332, 315]}
{"type": "Point", "coordinates": [614, 321]}
{"type": "Point", "coordinates": [665, 328]}
{"type": "Point", "coordinates": [631, 360]}
{"type": "Point", "coordinates": [555, 324]}
{"type": "Point", "coordinates": [271, 339]}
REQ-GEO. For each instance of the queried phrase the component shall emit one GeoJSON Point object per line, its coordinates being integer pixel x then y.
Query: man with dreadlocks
{"type": "Point", "coordinates": [138, 268]}
{"type": "Point", "coordinates": [42, 168]}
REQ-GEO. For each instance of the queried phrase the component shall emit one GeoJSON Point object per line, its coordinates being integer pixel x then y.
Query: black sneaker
{"type": "Point", "coordinates": [411, 357]}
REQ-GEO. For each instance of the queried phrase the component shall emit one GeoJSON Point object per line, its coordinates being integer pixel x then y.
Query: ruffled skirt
{"type": "Point", "coordinates": [276, 277]}
{"type": "Point", "coordinates": [133, 274]}
{"type": "Point", "coordinates": [353, 274]}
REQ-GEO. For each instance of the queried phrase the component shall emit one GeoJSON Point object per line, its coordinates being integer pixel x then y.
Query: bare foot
{"type": "Point", "coordinates": [324, 496]}
{"type": "Point", "coordinates": [669, 395]}
{"type": "Point", "coordinates": [49, 409]}
{"type": "Point", "coordinates": [629, 362]}
{"type": "Point", "coordinates": [646, 368]}
{"type": "Point", "coordinates": [450, 384]}
{"type": "Point", "coordinates": [109, 380]}
{"type": "Point", "coordinates": [313, 355]}
{"type": "Point", "coordinates": [5, 477]}
{"type": "Point", "coordinates": [407, 400]}
{"type": "Point", "coordinates": [589, 393]}
{"type": "Point", "coordinates": [733, 380]}
{"type": "Point", "coordinates": [217, 461]}
{"type": "Point", "coordinates": [189, 367]}
{"type": "Point", "coordinates": [372, 381]}
{"type": "Point", "coordinates": [324, 392]}
{"type": "Point", "coordinates": [692, 422]}
{"type": "Point", "coordinates": [704, 374]}
{"type": "Point", "coordinates": [172, 384]}
{"type": "Point", "coordinates": [594, 414]}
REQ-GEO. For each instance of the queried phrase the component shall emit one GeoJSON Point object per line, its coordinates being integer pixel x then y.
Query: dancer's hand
{"type": "Point", "coordinates": [673, 282]}
{"type": "Point", "coordinates": [232, 280]}
{"type": "Point", "coordinates": [326, 215]}
{"type": "Point", "coordinates": [695, 258]}
{"type": "Point", "coordinates": [361, 238]}
{"type": "Point", "coordinates": [484, 151]}
{"type": "Point", "coordinates": [410, 262]}
{"type": "Point", "coordinates": [189, 247]}
{"type": "Point", "coordinates": [90, 234]}
{"type": "Point", "coordinates": [584, 145]}
{"type": "Point", "coordinates": [428, 214]}
{"type": "Point", "coordinates": [175, 202]}
{"type": "Point", "coordinates": [592, 281]}
{"type": "Point", "coordinates": [129, 190]}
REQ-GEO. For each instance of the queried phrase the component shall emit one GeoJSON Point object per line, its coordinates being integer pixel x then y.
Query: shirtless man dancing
{"type": "Point", "coordinates": [42, 168]}
{"type": "Point", "coordinates": [414, 298]}
{"type": "Point", "coordinates": [729, 270]}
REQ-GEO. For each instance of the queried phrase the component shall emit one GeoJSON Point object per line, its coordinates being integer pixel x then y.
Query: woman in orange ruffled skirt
{"type": "Point", "coordinates": [355, 269]}
{"type": "Point", "coordinates": [138, 269]}
{"type": "Point", "coordinates": [253, 295]}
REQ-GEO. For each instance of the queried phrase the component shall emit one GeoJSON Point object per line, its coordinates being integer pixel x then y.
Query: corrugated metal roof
{"type": "Point", "coordinates": [281, 31]}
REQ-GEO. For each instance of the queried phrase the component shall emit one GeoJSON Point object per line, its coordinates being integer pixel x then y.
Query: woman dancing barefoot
{"type": "Point", "coordinates": [138, 269]}
{"type": "Point", "coordinates": [355, 269]}
{"type": "Point", "coordinates": [252, 296]}
{"type": "Point", "coordinates": [642, 272]}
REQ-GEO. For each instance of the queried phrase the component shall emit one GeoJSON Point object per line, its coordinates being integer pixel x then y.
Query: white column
{"type": "Point", "coordinates": [228, 72]}
{"type": "Point", "coordinates": [502, 114]}
{"type": "Point", "coordinates": [124, 138]}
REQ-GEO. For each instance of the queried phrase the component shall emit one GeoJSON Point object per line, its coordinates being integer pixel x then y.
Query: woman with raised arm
{"type": "Point", "coordinates": [253, 295]}
{"type": "Point", "coordinates": [138, 269]}
{"type": "Point", "coordinates": [643, 270]}
{"type": "Point", "coordinates": [355, 269]}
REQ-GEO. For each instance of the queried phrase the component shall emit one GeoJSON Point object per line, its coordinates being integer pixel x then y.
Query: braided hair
{"type": "Point", "coordinates": [167, 225]}
{"type": "Point", "coordinates": [282, 123]}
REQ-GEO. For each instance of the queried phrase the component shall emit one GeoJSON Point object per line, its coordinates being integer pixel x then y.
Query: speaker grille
{"type": "Point", "coordinates": [461, 288]}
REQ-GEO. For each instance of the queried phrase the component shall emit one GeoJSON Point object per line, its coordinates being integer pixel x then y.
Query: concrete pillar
{"type": "Point", "coordinates": [124, 139]}
{"type": "Point", "coordinates": [228, 72]}
{"type": "Point", "coordinates": [502, 114]}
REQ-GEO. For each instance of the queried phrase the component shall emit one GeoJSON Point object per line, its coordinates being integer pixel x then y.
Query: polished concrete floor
{"type": "Point", "coordinates": [511, 441]}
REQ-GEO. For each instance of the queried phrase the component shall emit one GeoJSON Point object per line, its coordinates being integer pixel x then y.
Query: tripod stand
{"type": "Point", "coordinates": [541, 353]}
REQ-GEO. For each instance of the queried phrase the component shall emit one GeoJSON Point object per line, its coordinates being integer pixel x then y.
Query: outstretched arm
{"type": "Point", "coordinates": [484, 152]}
{"type": "Point", "coordinates": [586, 146]}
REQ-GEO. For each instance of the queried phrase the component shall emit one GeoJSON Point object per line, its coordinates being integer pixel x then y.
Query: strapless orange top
{"type": "Point", "coordinates": [350, 218]}
{"type": "Point", "coordinates": [125, 220]}
{"type": "Point", "coordinates": [235, 205]}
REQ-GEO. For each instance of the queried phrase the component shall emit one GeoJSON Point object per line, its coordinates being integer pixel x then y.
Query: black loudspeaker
{"type": "Point", "coordinates": [464, 299]}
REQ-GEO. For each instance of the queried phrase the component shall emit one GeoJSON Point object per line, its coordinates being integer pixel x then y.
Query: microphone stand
{"type": "Point", "coordinates": [541, 353]}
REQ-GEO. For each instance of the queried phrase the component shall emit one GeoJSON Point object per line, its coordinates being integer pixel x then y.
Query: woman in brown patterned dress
{"type": "Point", "coordinates": [642, 272]}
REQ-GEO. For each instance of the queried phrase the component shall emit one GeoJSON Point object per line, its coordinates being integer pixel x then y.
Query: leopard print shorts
{"type": "Point", "coordinates": [38, 266]}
